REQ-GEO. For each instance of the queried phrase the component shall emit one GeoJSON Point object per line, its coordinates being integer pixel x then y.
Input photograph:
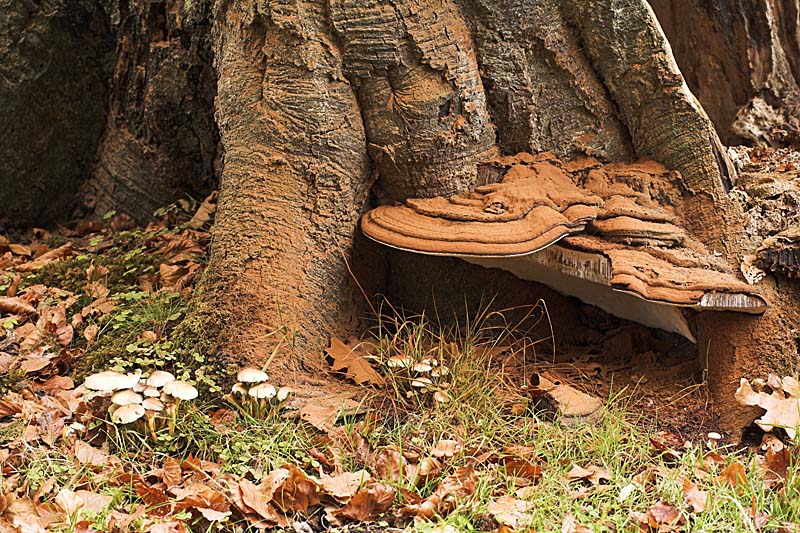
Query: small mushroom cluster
{"type": "Point", "coordinates": [254, 396]}
{"type": "Point", "coordinates": [424, 376]}
{"type": "Point", "coordinates": [152, 402]}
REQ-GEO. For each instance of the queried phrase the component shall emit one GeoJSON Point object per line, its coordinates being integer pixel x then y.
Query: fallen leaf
{"type": "Point", "coordinates": [254, 498]}
{"type": "Point", "coordinates": [665, 514]}
{"type": "Point", "coordinates": [90, 333]}
{"type": "Point", "coordinates": [593, 474]}
{"type": "Point", "coordinates": [342, 487]}
{"type": "Point", "coordinates": [734, 475]}
{"type": "Point", "coordinates": [446, 448]}
{"type": "Point", "coordinates": [694, 496]}
{"type": "Point", "coordinates": [368, 504]}
{"type": "Point", "coordinates": [782, 404]}
{"type": "Point", "coordinates": [16, 306]}
{"type": "Point", "coordinates": [298, 492]}
{"type": "Point", "coordinates": [204, 212]}
{"type": "Point", "coordinates": [777, 459]}
{"type": "Point", "coordinates": [53, 255]}
{"type": "Point", "coordinates": [511, 511]}
{"type": "Point", "coordinates": [322, 413]}
{"type": "Point", "coordinates": [171, 472]}
{"type": "Point", "coordinates": [569, 525]}
{"type": "Point", "coordinates": [82, 500]}
{"type": "Point", "coordinates": [351, 360]}
{"type": "Point", "coordinates": [86, 454]}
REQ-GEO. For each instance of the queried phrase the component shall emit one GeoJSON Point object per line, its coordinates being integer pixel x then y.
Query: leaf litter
{"type": "Point", "coordinates": [350, 473]}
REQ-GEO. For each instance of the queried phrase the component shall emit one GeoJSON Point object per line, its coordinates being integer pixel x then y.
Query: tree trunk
{"type": "Point", "coordinates": [294, 178]}
{"type": "Point", "coordinates": [160, 138]}
{"type": "Point", "coordinates": [748, 74]}
{"type": "Point", "coordinates": [429, 89]}
{"type": "Point", "coordinates": [55, 60]}
{"type": "Point", "coordinates": [319, 102]}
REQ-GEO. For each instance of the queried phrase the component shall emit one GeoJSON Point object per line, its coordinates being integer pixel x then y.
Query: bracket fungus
{"type": "Point", "coordinates": [620, 243]}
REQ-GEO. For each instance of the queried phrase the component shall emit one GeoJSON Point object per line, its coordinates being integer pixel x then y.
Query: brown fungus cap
{"type": "Point", "coordinates": [263, 391]}
{"type": "Point", "coordinates": [126, 397]}
{"type": "Point", "coordinates": [534, 205]}
{"type": "Point", "coordinates": [623, 248]}
{"type": "Point", "coordinates": [153, 404]}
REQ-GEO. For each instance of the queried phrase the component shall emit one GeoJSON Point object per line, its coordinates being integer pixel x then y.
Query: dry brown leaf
{"type": "Point", "coordinates": [694, 496]}
{"type": "Point", "coordinates": [660, 517]}
{"type": "Point", "coordinates": [520, 468]}
{"type": "Point", "coordinates": [390, 465]}
{"type": "Point", "coordinates": [782, 405]}
{"type": "Point", "coordinates": [90, 333]}
{"type": "Point", "coordinates": [16, 306]}
{"type": "Point", "coordinates": [53, 255]}
{"type": "Point", "coordinates": [204, 212]}
{"type": "Point", "coordinates": [777, 459]}
{"type": "Point", "coordinates": [570, 525]}
{"type": "Point", "coordinates": [454, 488]}
{"type": "Point", "coordinates": [350, 359]}
{"type": "Point", "coordinates": [593, 474]}
{"type": "Point", "coordinates": [19, 249]}
{"type": "Point", "coordinates": [446, 448]}
{"type": "Point", "coordinates": [663, 513]}
{"type": "Point", "coordinates": [298, 492]}
{"type": "Point", "coordinates": [323, 412]}
{"type": "Point", "coordinates": [256, 501]}
{"type": "Point", "coordinates": [171, 472]}
{"type": "Point", "coordinates": [86, 454]}
{"type": "Point", "coordinates": [511, 511]}
{"type": "Point", "coordinates": [342, 487]}
{"type": "Point", "coordinates": [81, 500]}
{"type": "Point", "coordinates": [368, 504]}
{"type": "Point", "coordinates": [99, 307]}
{"type": "Point", "coordinates": [734, 475]}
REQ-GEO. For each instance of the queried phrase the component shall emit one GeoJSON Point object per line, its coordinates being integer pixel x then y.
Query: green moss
{"type": "Point", "coordinates": [124, 263]}
{"type": "Point", "coordinates": [9, 379]}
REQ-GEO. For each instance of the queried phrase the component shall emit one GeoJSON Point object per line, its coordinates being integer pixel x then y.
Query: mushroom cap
{"type": "Point", "coordinates": [422, 367]}
{"type": "Point", "coordinates": [440, 371]}
{"type": "Point", "coordinates": [441, 397]}
{"type": "Point", "coordinates": [108, 380]}
{"type": "Point", "coordinates": [240, 389]}
{"type": "Point", "coordinates": [399, 361]}
{"type": "Point", "coordinates": [139, 387]}
{"type": "Point", "coordinates": [421, 383]}
{"type": "Point", "coordinates": [151, 392]}
{"type": "Point", "coordinates": [181, 390]}
{"type": "Point", "coordinates": [252, 375]}
{"type": "Point", "coordinates": [153, 404]}
{"type": "Point", "coordinates": [262, 390]}
{"type": "Point", "coordinates": [159, 378]}
{"type": "Point", "coordinates": [126, 397]}
{"type": "Point", "coordinates": [284, 392]}
{"type": "Point", "coordinates": [127, 413]}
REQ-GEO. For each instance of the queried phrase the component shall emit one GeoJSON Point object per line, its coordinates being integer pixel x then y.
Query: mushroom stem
{"type": "Point", "coordinates": [151, 425]}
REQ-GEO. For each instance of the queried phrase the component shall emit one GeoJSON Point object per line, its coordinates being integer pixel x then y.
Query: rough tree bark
{"type": "Point", "coordinates": [160, 139]}
{"type": "Point", "coordinates": [748, 74]}
{"type": "Point", "coordinates": [55, 58]}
